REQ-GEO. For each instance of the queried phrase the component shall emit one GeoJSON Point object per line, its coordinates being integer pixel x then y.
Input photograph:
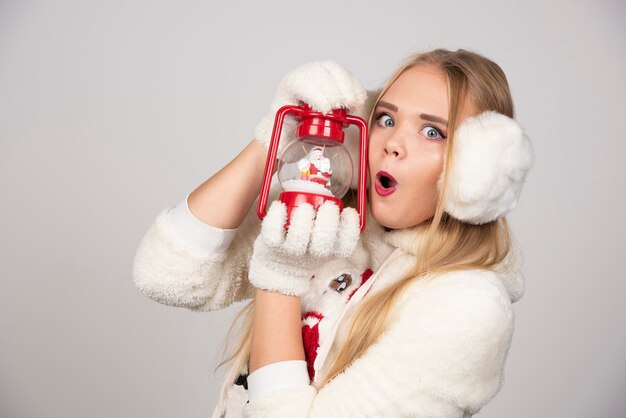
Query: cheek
{"type": "Point", "coordinates": [372, 160]}
{"type": "Point", "coordinates": [372, 147]}
{"type": "Point", "coordinates": [435, 164]}
{"type": "Point", "coordinates": [429, 165]}
{"type": "Point", "coordinates": [426, 171]}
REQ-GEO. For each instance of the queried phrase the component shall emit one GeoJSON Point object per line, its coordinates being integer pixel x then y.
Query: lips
{"type": "Point", "coordinates": [385, 183]}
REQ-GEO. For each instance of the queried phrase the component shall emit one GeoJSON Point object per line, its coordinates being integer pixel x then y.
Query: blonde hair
{"type": "Point", "coordinates": [449, 244]}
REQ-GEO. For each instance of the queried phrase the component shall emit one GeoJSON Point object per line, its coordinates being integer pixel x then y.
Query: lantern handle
{"type": "Point", "coordinates": [363, 153]}
{"type": "Point", "coordinates": [270, 162]}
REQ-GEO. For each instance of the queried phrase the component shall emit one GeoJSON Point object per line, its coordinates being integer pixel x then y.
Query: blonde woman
{"type": "Point", "coordinates": [414, 316]}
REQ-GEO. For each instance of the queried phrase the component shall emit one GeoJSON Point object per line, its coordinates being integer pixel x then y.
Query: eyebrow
{"type": "Point", "coordinates": [388, 106]}
{"type": "Point", "coordinates": [424, 116]}
{"type": "Point", "coordinates": [434, 118]}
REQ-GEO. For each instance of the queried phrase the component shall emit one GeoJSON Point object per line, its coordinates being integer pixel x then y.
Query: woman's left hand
{"type": "Point", "coordinates": [283, 260]}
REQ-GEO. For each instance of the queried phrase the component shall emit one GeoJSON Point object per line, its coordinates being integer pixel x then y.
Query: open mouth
{"type": "Point", "coordinates": [385, 183]}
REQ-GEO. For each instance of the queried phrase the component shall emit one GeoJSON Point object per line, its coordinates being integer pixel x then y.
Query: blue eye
{"type": "Point", "coordinates": [431, 132]}
{"type": "Point", "coordinates": [385, 120]}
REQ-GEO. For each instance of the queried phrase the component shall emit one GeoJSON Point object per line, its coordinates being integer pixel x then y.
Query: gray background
{"type": "Point", "coordinates": [112, 110]}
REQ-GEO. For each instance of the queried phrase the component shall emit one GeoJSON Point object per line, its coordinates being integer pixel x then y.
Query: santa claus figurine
{"type": "Point", "coordinates": [315, 167]}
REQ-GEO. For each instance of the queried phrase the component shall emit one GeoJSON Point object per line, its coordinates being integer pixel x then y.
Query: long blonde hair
{"type": "Point", "coordinates": [450, 244]}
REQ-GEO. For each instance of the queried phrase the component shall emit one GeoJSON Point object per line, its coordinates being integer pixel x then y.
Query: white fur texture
{"type": "Point", "coordinates": [171, 273]}
{"type": "Point", "coordinates": [283, 260]}
{"type": "Point", "coordinates": [168, 271]}
{"type": "Point", "coordinates": [442, 355]}
{"type": "Point", "coordinates": [349, 233]}
{"type": "Point", "coordinates": [322, 85]}
{"type": "Point", "coordinates": [236, 397]}
{"type": "Point", "coordinates": [325, 233]}
{"type": "Point", "coordinates": [509, 271]}
{"type": "Point", "coordinates": [300, 226]}
{"type": "Point", "coordinates": [274, 264]}
{"type": "Point", "coordinates": [492, 156]}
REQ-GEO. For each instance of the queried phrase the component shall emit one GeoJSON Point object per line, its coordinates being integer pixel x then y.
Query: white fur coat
{"type": "Point", "coordinates": [442, 355]}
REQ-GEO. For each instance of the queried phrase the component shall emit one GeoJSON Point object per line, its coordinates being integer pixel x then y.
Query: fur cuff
{"type": "Point", "coordinates": [275, 277]}
{"type": "Point", "coordinates": [492, 156]}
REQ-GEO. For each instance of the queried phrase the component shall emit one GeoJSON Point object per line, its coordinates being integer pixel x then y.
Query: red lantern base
{"type": "Point", "coordinates": [293, 199]}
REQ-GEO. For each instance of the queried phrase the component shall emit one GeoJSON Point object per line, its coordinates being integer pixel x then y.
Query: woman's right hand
{"type": "Point", "coordinates": [322, 85]}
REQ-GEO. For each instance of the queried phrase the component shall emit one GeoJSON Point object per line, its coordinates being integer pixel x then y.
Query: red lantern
{"type": "Point", "coordinates": [315, 167]}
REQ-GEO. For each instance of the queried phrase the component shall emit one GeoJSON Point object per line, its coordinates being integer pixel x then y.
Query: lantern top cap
{"type": "Point", "coordinates": [320, 125]}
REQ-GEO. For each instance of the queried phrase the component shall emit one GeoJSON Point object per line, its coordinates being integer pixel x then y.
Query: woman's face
{"type": "Point", "coordinates": [407, 147]}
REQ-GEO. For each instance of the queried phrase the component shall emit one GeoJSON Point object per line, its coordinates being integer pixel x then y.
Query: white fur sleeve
{"type": "Point", "coordinates": [443, 355]}
{"type": "Point", "coordinates": [172, 273]}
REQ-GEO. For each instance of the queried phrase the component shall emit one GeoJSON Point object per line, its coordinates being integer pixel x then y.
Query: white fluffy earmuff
{"type": "Point", "coordinates": [491, 158]}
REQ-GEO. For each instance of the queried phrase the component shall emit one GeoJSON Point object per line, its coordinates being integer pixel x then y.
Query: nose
{"type": "Point", "coordinates": [394, 146]}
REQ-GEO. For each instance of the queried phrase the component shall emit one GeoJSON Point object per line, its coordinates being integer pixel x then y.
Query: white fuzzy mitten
{"type": "Point", "coordinates": [283, 260]}
{"type": "Point", "coordinates": [492, 156]}
{"type": "Point", "coordinates": [322, 85]}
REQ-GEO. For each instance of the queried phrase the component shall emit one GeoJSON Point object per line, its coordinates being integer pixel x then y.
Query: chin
{"type": "Point", "coordinates": [387, 218]}
{"type": "Point", "coordinates": [391, 219]}
{"type": "Point", "coordinates": [390, 224]}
